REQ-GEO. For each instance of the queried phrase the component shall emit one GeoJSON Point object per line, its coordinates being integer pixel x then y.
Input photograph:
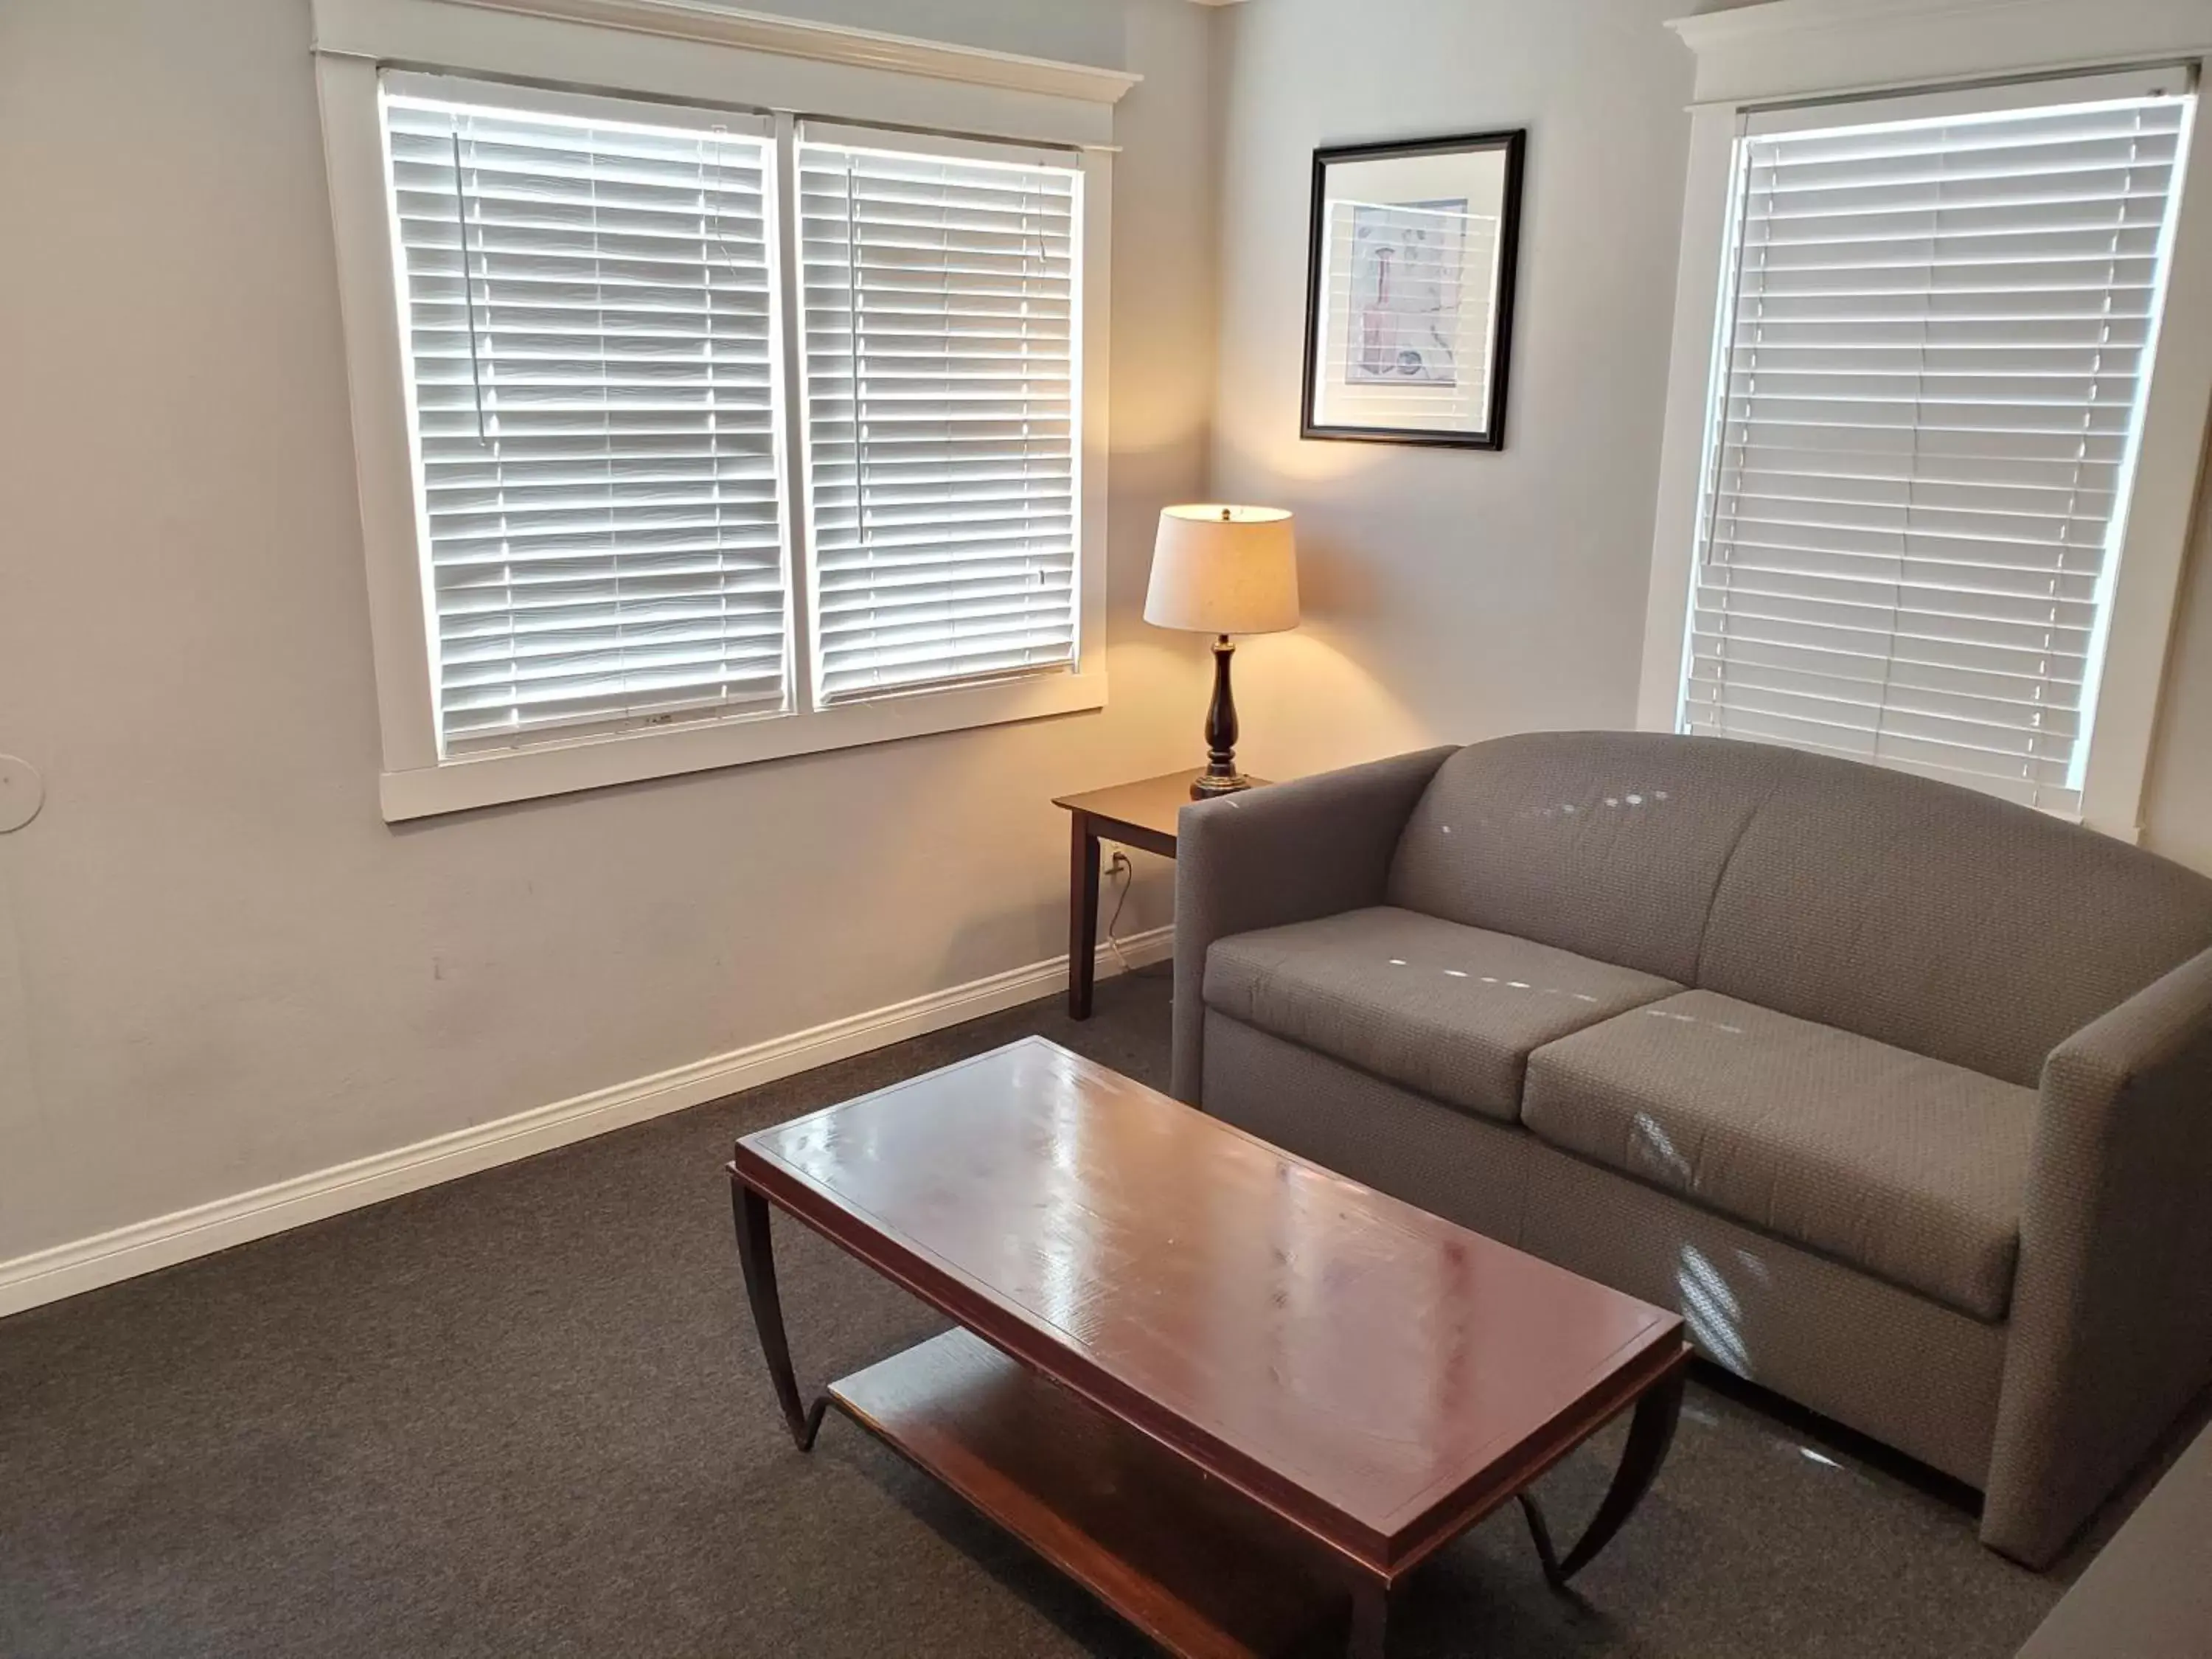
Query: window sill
{"type": "Point", "coordinates": [490, 779]}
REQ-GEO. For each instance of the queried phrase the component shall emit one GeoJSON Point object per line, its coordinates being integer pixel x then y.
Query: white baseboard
{"type": "Point", "coordinates": [66, 1270]}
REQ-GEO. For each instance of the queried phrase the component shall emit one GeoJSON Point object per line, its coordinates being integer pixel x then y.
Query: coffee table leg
{"type": "Point", "coordinates": [1651, 1432]}
{"type": "Point", "coordinates": [757, 1253]}
{"type": "Point", "coordinates": [1370, 1622]}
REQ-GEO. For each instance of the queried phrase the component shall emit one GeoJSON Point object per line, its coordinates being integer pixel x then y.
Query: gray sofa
{"type": "Point", "coordinates": [1902, 1095]}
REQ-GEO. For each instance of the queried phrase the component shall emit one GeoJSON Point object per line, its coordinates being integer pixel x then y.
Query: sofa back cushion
{"type": "Point", "coordinates": [1609, 844]}
{"type": "Point", "coordinates": [1939, 920]}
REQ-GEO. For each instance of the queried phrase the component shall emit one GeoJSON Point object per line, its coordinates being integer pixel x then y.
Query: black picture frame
{"type": "Point", "coordinates": [1513, 142]}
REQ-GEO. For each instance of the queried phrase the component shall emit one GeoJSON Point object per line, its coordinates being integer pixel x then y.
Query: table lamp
{"type": "Point", "coordinates": [1223, 570]}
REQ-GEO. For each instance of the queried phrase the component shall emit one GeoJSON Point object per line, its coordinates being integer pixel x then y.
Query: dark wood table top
{"type": "Point", "coordinates": [1375, 1375]}
{"type": "Point", "coordinates": [1149, 804]}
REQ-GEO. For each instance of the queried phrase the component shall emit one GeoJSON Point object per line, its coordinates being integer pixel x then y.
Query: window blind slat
{"type": "Point", "coordinates": [591, 380]}
{"type": "Point", "coordinates": [940, 302]}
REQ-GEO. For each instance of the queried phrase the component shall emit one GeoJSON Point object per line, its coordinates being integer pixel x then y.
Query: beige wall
{"type": "Point", "coordinates": [218, 967]}
{"type": "Point", "coordinates": [1453, 595]}
{"type": "Point", "coordinates": [2178, 814]}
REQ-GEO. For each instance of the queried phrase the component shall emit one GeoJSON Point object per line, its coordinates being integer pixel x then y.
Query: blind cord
{"type": "Point", "coordinates": [468, 287]}
{"type": "Point", "coordinates": [862, 520]}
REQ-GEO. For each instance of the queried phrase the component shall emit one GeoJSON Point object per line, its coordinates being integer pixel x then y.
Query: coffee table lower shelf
{"type": "Point", "coordinates": [1196, 1565]}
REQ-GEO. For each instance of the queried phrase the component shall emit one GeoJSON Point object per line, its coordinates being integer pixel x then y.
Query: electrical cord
{"type": "Point", "coordinates": [1122, 867]}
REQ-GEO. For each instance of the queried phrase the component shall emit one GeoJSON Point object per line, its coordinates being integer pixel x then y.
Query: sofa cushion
{"type": "Point", "coordinates": [1906, 1168]}
{"type": "Point", "coordinates": [1939, 919]}
{"type": "Point", "coordinates": [1451, 1011]}
{"type": "Point", "coordinates": [1606, 844]}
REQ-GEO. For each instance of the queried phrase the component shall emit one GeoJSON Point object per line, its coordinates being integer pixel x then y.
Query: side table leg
{"type": "Point", "coordinates": [1370, 1622]}
{"type": "Point", "coordinates": [757, 1254]}
{"type": "Point", "coordinates": [1082, 913]}
{"type": "Point", "coordinates": [1651, 1432]}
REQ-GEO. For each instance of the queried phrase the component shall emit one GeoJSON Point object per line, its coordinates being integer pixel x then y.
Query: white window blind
{"type": "Point", "coordinates": [942, 314]}
{"type": "Point", "coordinates": [589, 327]}
{"type": "Point", "coordinates": [1932, 363]}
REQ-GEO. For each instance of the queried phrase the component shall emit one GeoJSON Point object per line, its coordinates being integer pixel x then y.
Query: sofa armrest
{"type": "Point", "coordinates": [1287, 853]}
{"type": "Point", "coordinates": [2111, 1326]}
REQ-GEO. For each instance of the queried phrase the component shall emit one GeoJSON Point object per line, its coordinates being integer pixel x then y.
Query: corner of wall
{"type": "Point", "coordinates": [2176, 806]}
{"type": "Point", "coordinates": [1225, 34]}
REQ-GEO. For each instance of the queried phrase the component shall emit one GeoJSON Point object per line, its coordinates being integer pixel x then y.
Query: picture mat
{"type": "Point", "coordinates": [1461, 404]}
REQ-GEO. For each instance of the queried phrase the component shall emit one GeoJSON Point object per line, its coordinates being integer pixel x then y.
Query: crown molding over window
{"type": "Point", "coordinates": [351, 27]}
{"type": "Point", "coordinates": [1820, 48]}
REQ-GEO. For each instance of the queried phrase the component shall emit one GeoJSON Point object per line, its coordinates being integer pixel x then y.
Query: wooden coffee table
{"type": "Point", "coordinates": [1237, 1396]}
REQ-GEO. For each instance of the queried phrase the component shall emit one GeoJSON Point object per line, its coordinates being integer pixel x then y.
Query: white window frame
{"type": "Point", "coordinates": [1789, 51]}
{"type": "Point", "coordinates": [675, 52]}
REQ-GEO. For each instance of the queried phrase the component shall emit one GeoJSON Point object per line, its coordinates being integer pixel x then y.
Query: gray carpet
{"type": "Point", "coordinates": [522, 1414]}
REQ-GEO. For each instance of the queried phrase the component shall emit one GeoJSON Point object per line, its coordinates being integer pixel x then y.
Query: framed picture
{"type": "Point", "coordinates": [1409, 290]}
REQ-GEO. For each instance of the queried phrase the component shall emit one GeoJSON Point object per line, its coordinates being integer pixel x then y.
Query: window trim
{"type": "Point", "coordinates": [1787, 51]}
{"type": "Point", "coordinates": [674, 52]}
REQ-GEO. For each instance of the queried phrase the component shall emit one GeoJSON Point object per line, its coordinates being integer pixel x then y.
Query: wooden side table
{"type": "Point", "coordinates": [1141, 815]}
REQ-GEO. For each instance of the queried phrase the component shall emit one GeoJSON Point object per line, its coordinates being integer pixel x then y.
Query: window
{"type": "Point", "coordinates": [940, 303]}
{"type": "Point", "coordinates": [692, 430]}
{"type": "Point", "coordinates": [594, 317]}
{"type": "Point", "coordinates": [1938, 326]}
{"type": "Point", "coordinates": [592, 392]}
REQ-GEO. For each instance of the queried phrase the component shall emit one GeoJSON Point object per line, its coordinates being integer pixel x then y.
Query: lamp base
{"type": "Point", "coordinates": [1221, 777]}
{"type": "Point", "coordinates": [1207, 785]}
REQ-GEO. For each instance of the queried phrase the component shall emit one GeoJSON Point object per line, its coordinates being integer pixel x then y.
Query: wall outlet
{"type": "Point", "coordinates": [1115, 863]}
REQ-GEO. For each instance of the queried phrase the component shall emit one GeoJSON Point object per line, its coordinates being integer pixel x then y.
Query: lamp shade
{"type": "Point", "coordinates": [1223, 570]}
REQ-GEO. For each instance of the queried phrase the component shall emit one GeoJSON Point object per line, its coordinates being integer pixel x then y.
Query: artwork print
{"type": "Point", "coordinates": [1409, 289]}
{"type": "Point", "coordinates": [1407, 262]}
